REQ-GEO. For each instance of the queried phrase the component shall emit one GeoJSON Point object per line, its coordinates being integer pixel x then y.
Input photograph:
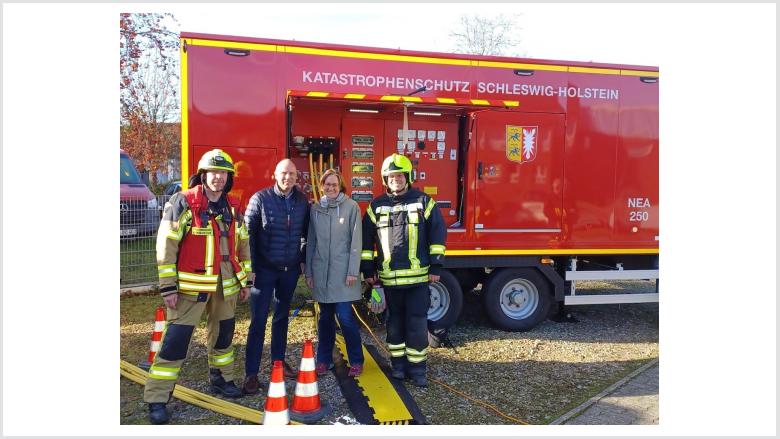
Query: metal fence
{"type": "Point", "coordinates": [138, 224]}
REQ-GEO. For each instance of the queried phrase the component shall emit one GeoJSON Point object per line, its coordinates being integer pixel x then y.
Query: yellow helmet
{"type": "Point", "coordinates": [216, 160]}
{"type": "Point", "coordinates": [397, 163]}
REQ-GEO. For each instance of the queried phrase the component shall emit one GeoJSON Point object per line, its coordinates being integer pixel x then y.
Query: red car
{"type": "Point", "coordinates": [139, 212]}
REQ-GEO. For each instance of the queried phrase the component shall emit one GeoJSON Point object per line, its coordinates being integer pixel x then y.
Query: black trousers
{"type": "Point", "coordinates": [408, 316]}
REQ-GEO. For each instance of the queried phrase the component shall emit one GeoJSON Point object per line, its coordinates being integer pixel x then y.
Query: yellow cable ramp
{"type": "Point", "coordinates": [446, 386]}
{"type": "Point", "coordinates": [380, 395]}
{"type": "Point", "coordinates": [376, 387]}
{"type": "Point", "coordinates": [199, 399]}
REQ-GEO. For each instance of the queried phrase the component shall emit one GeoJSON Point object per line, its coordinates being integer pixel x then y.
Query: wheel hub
{"type": "Point", "coordinates": [517, 297]}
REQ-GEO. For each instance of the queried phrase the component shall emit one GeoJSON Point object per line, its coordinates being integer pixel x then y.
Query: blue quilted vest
{"type": "Point", "coordinates": [281, 242]}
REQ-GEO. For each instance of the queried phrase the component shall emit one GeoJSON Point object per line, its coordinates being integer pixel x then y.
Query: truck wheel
{"type": "Point", "coordinates": [446, 301]}
{"type": "Point", "coordinates": [517, 299]}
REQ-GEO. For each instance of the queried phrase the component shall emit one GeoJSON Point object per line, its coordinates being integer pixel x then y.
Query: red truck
{"type": "Point", "coordinates": [546, 172]}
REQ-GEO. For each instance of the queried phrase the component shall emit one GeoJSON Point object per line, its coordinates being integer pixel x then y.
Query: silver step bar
{"type": "Point", "coordinates": [612, 275]}
{"type": "Point", "coordinates": [602, 299]}
{"type": "Point", "coordinates": [597, 299]}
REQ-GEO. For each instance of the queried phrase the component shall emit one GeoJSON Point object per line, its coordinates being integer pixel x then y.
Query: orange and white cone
{"type": "Point", "coordinates": [276, 412]}
{"type": "Point", "coordinates": [306, 405]}
{"type": "Point", "coordinates": [159, 327]}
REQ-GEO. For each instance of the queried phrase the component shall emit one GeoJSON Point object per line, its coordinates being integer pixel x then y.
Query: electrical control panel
{"type": "Point", "coordinates": [356, 144]}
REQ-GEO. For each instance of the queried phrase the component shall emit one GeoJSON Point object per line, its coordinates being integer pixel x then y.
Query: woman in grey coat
{"type": "Point", "coordinates": [332, 268]}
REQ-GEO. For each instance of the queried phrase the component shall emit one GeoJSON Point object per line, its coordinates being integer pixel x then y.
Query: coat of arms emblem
{"type": "Point", "coordinates": [521, 143]}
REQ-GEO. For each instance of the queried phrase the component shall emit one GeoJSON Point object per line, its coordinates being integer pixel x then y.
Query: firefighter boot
{"type": "Point", "coordinates": [158, 414]}
{"type": "Point", "coordinates": [220, 386]}
{"type": "Point", "coordinates": [416, 372]}
{"type": "Point", "coordinates": [398, 367]}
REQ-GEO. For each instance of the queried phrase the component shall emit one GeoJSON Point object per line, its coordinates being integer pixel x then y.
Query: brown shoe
{"type": "Point", "coordinates": [288, 371]}
{"type": "Point", "coordinates": [251, 385]}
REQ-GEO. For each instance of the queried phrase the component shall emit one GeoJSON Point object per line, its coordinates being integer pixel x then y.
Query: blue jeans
{"type": "Point", "coordinates": [268, 283]}
{"type": "Point", "coordinates": [326, 330]}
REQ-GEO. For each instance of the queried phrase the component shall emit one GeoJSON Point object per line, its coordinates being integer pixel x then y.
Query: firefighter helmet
{"type": "Point", "coordinates": [397, 163]}
{"type": "Point", "coordinates": [216, 160]}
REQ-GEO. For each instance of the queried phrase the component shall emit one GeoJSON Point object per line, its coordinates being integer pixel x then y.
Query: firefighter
{"type": "Point", "coordinates": [204, 264]}
{"type": "Point", "coordinates": [408, 232]}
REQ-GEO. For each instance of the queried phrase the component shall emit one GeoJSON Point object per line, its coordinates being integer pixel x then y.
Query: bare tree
{"type": "Point", "coordinates": [142, 35]}
{"type": "Point", "coordinates": [479, 35]}
{"type": "Point", "coordinates": [150, 112]}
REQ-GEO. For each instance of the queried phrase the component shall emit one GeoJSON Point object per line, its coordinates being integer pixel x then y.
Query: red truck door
{"type": "Point", "coordinates": [435, 164]}
{"type": "Point", "coordinates": [519, 159]}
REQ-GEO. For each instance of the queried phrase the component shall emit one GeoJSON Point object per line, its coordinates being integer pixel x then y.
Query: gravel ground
{"type": "Point", "coordinates": [530, 377]}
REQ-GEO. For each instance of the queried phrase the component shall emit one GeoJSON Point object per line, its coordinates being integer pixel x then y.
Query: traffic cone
{"type": "Point", "coordinates": [306, 405]}
{"type": "Point", "coordinates": [276, 412]}
{"type": "Point", "coordinates": [159, 326]}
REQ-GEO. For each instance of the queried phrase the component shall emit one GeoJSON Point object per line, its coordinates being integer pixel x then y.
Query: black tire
{"type": "Point", "coordinates": [517, 299]}
{"type": "Point", "coordinates": [446, 301]}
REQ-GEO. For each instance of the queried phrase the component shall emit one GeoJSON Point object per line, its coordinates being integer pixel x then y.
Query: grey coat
{"type": "Point", "coordinates": [333, 250]}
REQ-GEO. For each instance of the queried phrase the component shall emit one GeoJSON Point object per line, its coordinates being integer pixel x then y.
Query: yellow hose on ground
{"type": "Point", "coordinates": [199, 399]}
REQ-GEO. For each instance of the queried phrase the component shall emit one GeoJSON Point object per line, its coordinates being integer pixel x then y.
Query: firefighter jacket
{"type": "Point", "coordinates": [196, 243]}
{"type": "Point", "coordinates": [408, 232]}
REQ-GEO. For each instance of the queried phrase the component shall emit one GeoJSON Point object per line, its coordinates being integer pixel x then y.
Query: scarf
{"type": "Point", "coordinates": [328, 202]}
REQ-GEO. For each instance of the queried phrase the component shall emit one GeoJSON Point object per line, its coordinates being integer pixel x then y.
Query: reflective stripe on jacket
{"type": "Point", "coordinates": [188, 246]}
{"type": "Point", "coordinates": [409, 235]}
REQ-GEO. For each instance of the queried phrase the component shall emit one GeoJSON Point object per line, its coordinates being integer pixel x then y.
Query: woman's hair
{"type": "Point", "coordinates": [328, 173]}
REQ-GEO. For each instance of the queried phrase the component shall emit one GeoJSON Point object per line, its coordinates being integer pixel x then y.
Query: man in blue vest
{"type": "Point", "coordinates": [277, 219]}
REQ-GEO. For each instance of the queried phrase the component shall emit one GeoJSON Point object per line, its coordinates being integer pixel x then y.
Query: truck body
{"type": "Point", "coordinates": [546, 172]}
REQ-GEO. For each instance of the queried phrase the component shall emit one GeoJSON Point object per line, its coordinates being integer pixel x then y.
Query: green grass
{"type": "Point", "coordinates": [137, 261]}
{"type": "Point", "coordinates": [137, 322]}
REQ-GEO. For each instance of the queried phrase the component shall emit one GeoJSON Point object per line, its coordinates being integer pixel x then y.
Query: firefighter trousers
{"type": "Point", "coordinates": [182, 321]}
{"type": "Point", "coordinates": [407, 326]}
